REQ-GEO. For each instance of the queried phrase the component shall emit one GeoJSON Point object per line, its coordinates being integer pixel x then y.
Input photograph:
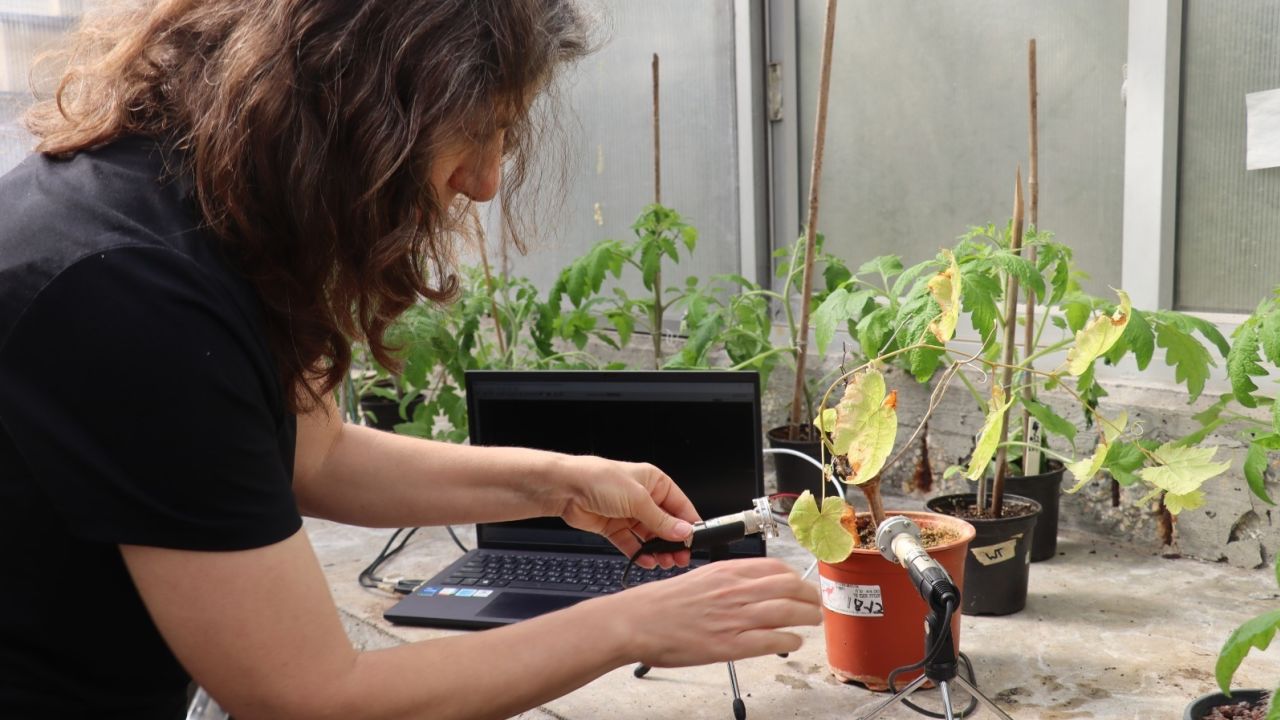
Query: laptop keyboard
{"type": "Point", "coordinates": [591, 574]}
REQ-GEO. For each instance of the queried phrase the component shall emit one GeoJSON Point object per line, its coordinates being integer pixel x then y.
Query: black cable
{"type": "Point", "coordinates": [456, 541]}
{"type": "Point", "coordinates": [367, 577]}
{"type": "Point", "coordinates": [929, 656]}
{"type": "Point", "coordinates": [631, 561]}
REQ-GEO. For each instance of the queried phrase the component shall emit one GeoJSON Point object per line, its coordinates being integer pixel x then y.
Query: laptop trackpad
{"type": "Point", "coordinates": [522, 606]}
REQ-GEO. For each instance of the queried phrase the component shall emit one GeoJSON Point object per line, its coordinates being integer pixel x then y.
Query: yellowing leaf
{"type": "Point", "coordinates": [1182, 470]}
{"type": "Point", "coordinates": [1189, 501]}
{"type": "Point", "coordinates": [989, 438]}
{"type": "Point", "coordinates": [826, 420]}
{"type": "Point", "coordinates": [945, 288]}
{"type": "Point", "coordinates": [866, 425]}
{"type": "Point", "coordinates": [1098, 336]}
{"type": "Point", "coordinates": [820, 531]}
{"type": "Point", "coordinates": [1084, 470]}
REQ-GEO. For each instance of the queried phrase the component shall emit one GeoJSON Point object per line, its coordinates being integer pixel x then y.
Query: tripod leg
{"type": "Point", "coordinates": [902, 694]}
{"type": "Point", "coordinates": [946, 699]}
{"type": "Point", "coordinates": [739, 707]}
{"type": "Point", "coordinates": [641, 670]}
{"type": "Point", "coordinates": [982, 699]}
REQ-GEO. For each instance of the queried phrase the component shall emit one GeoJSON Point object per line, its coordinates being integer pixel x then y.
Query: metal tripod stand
{"type": "Point", "coordinates": [941, 667]}
{"type": "Point", "coordinates": [720, 552]}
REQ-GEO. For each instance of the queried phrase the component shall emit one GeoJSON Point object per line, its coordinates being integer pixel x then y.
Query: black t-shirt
{"type": "Point", "coordinates": [139, 404]}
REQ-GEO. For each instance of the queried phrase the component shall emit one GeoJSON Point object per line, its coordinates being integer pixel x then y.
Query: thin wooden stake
{"type": "Point", "coordinates": [1031, 464]}
{"type": "Point", "coordinates": [811, 230]}
{"type": "Point", "coordinates": [488, 278]}
{"type": "Point", "coordinates": [655, 331]}
{"type": "Point", "coordinates": [657, 137]}
{"type": "Point", "coordinates": [1010, 337]}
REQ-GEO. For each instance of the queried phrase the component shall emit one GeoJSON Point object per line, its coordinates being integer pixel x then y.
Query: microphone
{"type": "Point", "coordinates": [898, 539]}
{"type": "Point", "coordinates": [721, 530]}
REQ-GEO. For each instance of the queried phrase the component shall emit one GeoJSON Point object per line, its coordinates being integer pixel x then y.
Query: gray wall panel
{"type": "Point", "coordinates": [928, 119]}
{"type": "Point", "coordinates": [1227, 255]}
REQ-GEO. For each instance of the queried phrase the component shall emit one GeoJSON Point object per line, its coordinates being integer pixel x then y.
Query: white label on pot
{"type": "Point", "coordinates": [855, 600]}
{"type": "Point", "coordinates": [998, 553]}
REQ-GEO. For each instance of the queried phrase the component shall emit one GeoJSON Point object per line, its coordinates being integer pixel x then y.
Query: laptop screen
{"type": "Point", "coordinates": [700, 427]}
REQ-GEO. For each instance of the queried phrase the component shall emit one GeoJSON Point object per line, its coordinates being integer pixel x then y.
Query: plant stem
{"type": "Point", "coordinates": [1010, 313]}
{"type": "Point", "coordinates": [811, 229]}
{"type": "Point", "coordinates": [1027, 445]}
{"type": "Point", "coordinates": [757, 358]}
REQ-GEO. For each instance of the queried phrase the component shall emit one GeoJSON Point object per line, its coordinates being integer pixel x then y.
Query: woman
{"type": "Point", "coordinates": [229, 192]}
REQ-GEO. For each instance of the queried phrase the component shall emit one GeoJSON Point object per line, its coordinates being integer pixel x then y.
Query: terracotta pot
{"type": "Point", "coordinates": [873, 616]}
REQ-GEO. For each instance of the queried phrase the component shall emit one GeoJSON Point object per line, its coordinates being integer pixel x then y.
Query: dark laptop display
{"type": "Point", "coordinates": [700, 427]}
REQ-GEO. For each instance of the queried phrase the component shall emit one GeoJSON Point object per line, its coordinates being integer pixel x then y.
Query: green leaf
{"type": "Point", "coordinates": [1254, 633]}
{"type": "Point", "coordinates": [989, 438]}
{"type": "Point", "coordinates": [887, 265]}
{"type": "Point", "coordinates": [945, 288]}
{"type": "Point", "coordinates": [1182, 470]}
{"type": "Point", "coordinates": [1022, 269]}
{"type": "Point", "coordinates": [874, 331]}
{"type": "Point", "coordinates": [1060, 281]}
{"type": "Point", "coordinates": [1242, 364]}
{"type": "Point", "coordinates": [1084, 470]}
{"type": "Point", "coordinates": [1098, 337]}
{"type": "Point", "coordinates": [1270, 336]}
{"type": "Point", "coordinates": [1077, 311]}
{"type": "Point", "coordinates": [689, 234]}
{"type": "Point", "coordinates": [866, 425]}
{"type": "Point", "coordinates": [624, 324]}
{"type": "Point", "coordinates": [1255, 472]}
{"type": "Point", "coordinates": [1190, 360]}
{"type": "Point", "coordinates": [839, 307]}
{"type": "Point", "coordinates": [650, 264]}
{"type": "Point", "coordinates": [1139, 338]}
{"type": "Point", "coordinates": [1050, 420]}
{"type": "Point", "coordinates": [1123, 461]}
{"type": "Point", "coordinates": [1210, 333]}
{"type": "Point", "coordinates": [835, 274]}
{"type": "Point", "coordinates": [820, 531]}
{"type": "Point", "coordinates": [979, 295]}
{"type": "Point", "coordinates": [908, 276]}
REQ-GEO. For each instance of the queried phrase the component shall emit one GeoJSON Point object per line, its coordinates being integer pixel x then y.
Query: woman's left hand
{"type": "Point", "coordinates": [623, 500]}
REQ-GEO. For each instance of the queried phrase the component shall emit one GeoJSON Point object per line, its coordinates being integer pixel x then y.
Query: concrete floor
{"type": "Point", "coordinates": [1110, 631]}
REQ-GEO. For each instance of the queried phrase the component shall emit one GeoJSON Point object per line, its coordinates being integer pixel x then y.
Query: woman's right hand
{"type": "Point", "coordinates": [726, 610]}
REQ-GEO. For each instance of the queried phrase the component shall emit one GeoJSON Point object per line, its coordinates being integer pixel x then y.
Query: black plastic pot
{"type": "Point", "coordinates": [1045, 489]}
{"type": "Point", "coordinates": [997, 568]}
{"type": "Point", "coordinates": [1201, 707]}
{"type": "Point", "coordinates": [794, 474]}
{"type": "Point", "coordinates": [384, 414]}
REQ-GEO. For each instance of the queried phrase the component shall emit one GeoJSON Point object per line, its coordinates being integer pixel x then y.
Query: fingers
{"type": "Point", "coordinates": [655, 519]}
{"type": "Point", "coordinates": [781, 613]}
{"type": "Point", "coordinates": [751, 643]}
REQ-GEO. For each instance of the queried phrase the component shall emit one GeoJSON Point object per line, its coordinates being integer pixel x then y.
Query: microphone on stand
{"type": "Point", "coordinates": [898, 539]}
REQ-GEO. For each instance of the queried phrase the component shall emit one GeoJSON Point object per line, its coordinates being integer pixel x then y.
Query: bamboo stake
{"type": "Point", "coordinates": [657, 137]}
{"type": "Point", "coordinates": [1031, 466]}
{"type": "Point", "coordinates": [811, 231]}
{"type": "Point", "coordinates": [1010, 330]}
{"type": "Point", "coordinates": [488, 278]}
{"type": "Point", "coordinates": [655, 332]}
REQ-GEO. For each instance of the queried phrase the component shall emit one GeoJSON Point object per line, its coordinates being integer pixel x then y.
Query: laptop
{"type": "Point", "coordinates": [700, 427]}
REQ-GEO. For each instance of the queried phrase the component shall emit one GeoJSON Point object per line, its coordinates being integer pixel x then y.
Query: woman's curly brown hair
{"type": "Point", "coordinates": [309, 128]}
